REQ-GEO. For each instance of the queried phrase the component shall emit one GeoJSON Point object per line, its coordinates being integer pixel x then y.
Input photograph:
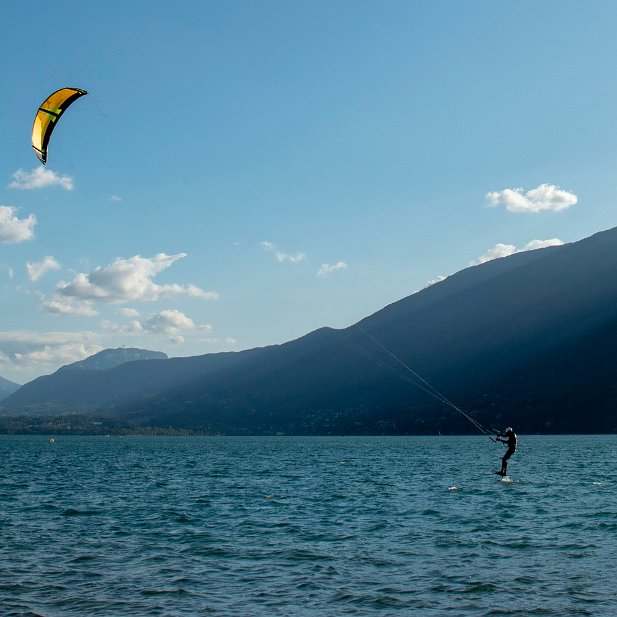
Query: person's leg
{"type": "Point", "coordinates": [504, 461]}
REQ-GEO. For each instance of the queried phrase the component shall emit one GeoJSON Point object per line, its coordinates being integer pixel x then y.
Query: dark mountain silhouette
{"type": "Point", "coordinates": [7, 387]}
{"type": "Point", "coordinates": [87, 386]}
{"type": "Point", "coordinates": [83, 384]}
{"type": "Point", "coordinates": [527, 340]}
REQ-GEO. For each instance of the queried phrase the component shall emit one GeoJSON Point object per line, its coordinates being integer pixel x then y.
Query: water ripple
{"type": "Point", "coordinates": [305, 526]}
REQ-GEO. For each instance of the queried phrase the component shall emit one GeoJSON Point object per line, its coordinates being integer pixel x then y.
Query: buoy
{"type": "Point", "coordinates": [52, 440]}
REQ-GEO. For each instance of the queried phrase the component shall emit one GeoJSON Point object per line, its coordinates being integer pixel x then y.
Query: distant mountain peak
{"type": "Point", "coordinates": [7, 387]}
{"type": "Point", "coordinates": [110, 358]}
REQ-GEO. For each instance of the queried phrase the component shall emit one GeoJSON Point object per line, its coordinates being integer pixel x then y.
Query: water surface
{"type": "Point", "coordinates": [306, 526]}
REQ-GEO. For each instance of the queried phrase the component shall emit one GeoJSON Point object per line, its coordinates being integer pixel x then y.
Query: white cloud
{"type": "Point", "coordinates": [294, 259]}
{"type": "Point", "coordinates": [169, 318]}
{"type": "Point", "coordinates": [543, 197]}
{"type": "Point", "coordinates": [14, 229]}
{"type": "Point", "coordinates": [133, 327]}
{"type": "Point", "coordinates": [9, 271]}
{"type": "Point", "coordinates": [61, 354]}
{"type": "Point", "coordinates": [436, 280]}
{"type": "Point", "coordinates": [327, 269]}
{"type": "Point", "coordinates": [230, 340]}
{"type": "Point", "coordinates": [128, 312]}
{"type": "Point", "coordinates": [129, 280]}
{"type": "Point", "coordinates": [498, 251]}
{"type": "Point", "coordinates": [542, 244]}
{"type": "Point", "coordinates": [116, 199]}
{"type": "Point", "coordinates": [170, 322]}
{"type": "Point", "coordinates": [504, 250]}
{"type": "Point", "coordinates": [39, 178]}
{"type": "Point", "coordinates": [66, 306]}
{"type": "Point", "coordinates": [25, 348]}
{"type": "Point", "coordinates": [36, 269]}
{"type": "Point", "coordinates": [280, 256]}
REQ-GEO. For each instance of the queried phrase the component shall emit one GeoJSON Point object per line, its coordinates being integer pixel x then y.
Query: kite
{"type": "Point", "coordinates": [47, 117]}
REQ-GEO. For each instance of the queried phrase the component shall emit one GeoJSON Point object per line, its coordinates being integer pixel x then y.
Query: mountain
{"type": "Point", "coordinates": [84, 384]}
{"type": "Point", "coordinates": [7, 387]}
{"type": "Point", "coordinates": [526, 340]}
{"type": "Point", "coordinates": [110, 358]}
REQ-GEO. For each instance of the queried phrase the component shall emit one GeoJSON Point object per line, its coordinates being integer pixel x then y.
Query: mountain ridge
{"type": "Point", "coordinates": [7, 387]}
{"type": "Point", "coordinates": [110, 358]}
{"type": "Point", "coordinates": [498, 338]}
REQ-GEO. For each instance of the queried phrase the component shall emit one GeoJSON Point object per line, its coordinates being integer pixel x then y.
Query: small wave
{"type": "Point", "coordinates": [191, 544]}
{"type": "Point", "coordinates": [480, 587]}
{"type": "Point", "coordinates": [526, 612]}
{"type": "Point", "coordinates": [82, 558]}
{"type": "Point", "coordinates": [164, 592]}
{"type": "Point", "coordinates": [77, 512]}
{"type": "Point", "coordinates": [430, 512]}
{"type": "Point", "coordinates": [304, 554]}
{"type": "Point", "coordinates": [215, 551]}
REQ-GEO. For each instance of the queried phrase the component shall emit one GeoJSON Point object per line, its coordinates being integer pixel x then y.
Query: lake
{"type": "Point", "coordinates": [307, 526]}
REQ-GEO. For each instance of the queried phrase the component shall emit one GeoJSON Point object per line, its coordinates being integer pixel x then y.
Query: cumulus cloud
{"type": "Point", "coordinates": [39, 178]}
{"type": "Point", "coordinates": [24, 348]}
{"type": "Point", "coordinates": [132, 327]}
{"type": "Point", "coordinates": [129, 280]}
{"type": "Point", "coordinates": [36, 269]}
{"type": "Point", "coordinates": [436, 280]}
{"type": "Point", "coordinates": [12, 228]}
{"type": "Point", "coordinates": [327, 269]}
{"type": "Point", "coordinates": [128, 312]}
{"type": "Point", "coordinates": [543, 197]}
{"type": "Point", "coordinates": [169, 318]}
{"type": "Point", "coordinates": [280, 256]}
{"type": "Point", "coordinates": [66, 306]}
{"type": "Point", "coordinates": [498, 251]}
{"type": "Point", "coordinates": [294, 259]}
{"type": "Point", "coordinates": [504, 250]}
{"type": "Point", "coordinates": [170, 322]}
{"type": "Point", "coordinates": [542, 244]}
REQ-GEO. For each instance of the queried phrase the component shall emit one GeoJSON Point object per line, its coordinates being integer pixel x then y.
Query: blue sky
{"type": "Point", "coordinates": [243, 172]}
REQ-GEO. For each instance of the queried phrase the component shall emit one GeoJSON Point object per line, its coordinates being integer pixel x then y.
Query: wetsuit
{"type": "Point", "coordinates": [509, 452]}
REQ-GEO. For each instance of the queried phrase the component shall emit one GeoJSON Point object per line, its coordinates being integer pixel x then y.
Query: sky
{"type": "Point", "coordinates": [243, 172]}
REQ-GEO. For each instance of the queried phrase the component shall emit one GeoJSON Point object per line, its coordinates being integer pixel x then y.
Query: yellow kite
{"type": "Point", "coordinates": [47, 117]}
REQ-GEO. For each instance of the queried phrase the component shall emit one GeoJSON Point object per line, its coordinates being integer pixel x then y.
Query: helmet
{"type": "Point", "coordinates": [508, 430]}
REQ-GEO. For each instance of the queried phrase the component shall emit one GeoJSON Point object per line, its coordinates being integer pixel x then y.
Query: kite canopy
{"type": "Point", "coordinates": [47, 117]}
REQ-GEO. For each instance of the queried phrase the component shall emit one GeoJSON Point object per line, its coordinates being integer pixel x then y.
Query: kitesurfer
{"type": "Point", "coordinates": [511, 441]}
